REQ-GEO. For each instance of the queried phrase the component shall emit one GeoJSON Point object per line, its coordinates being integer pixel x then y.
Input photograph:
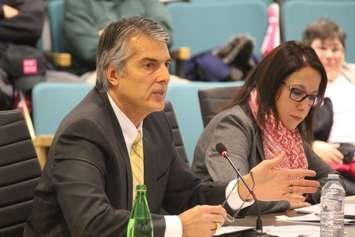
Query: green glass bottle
{"type": "Point", "coordinates": [140, 223]}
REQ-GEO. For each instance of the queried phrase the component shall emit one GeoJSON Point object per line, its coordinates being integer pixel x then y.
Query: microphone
{"type": "Point", "coordinates": [222, 150]}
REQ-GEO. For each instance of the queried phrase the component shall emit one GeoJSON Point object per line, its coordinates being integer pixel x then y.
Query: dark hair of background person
{"type": "Point", "coordinates": [270, 74]}
{"type": "Point", "coordinates": [323, 29]}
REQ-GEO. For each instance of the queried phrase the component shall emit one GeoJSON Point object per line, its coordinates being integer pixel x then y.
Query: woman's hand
{"type": "Point", "coordinates": [298, 204]}
{"type": "Point", "coordinates": [328, 152]}
{"type": "Point", "coordinates": [273, 183]}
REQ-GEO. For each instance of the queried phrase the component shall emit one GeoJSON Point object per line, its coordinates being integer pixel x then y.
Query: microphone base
{"type": "Point", "coordinates": [248, 233]}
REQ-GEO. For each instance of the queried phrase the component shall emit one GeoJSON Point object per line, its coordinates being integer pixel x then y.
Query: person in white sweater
{"type": "Point", "coordinates": [327, 38]}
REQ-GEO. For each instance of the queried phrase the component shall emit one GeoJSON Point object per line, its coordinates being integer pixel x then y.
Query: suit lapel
{"type": "Point", "coordinates": [149, 158]}
{"type": "Point", "coordinates": [123, 161]}
{"type": "Point", "coordinates": [259, 145]}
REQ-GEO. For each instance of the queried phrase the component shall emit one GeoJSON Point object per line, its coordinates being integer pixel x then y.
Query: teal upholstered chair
{"type": "Point", "coordinates": [55, 11]}
{"type": "Point", "coordinates": [53, 101]}
{"type": "Point", "coordinates": [59, 54]}
{"type": "Point", "coordinates": [202, 26]}
{"type": "Point", "coordinates": [184, 98]}
{"type": "Point", "coordinates": [297, 14]}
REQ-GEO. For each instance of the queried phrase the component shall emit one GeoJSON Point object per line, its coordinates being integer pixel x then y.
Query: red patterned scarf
{"type": "Point", "coordinates": [277, 137]}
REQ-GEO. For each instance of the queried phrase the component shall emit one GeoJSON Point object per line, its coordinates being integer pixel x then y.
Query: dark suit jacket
{"type": "Point", "coordinates": [86, 186]}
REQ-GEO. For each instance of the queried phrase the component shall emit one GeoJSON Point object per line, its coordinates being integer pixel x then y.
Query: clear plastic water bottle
{"type": "Point", "coordinates": [332, 208]}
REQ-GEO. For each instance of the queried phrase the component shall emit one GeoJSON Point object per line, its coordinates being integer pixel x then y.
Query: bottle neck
{"type": "Point", "coordinates": [141, 198]}
{"type": "Point", "coordinates": [140, 207]}
{"type": "Point", "coordinates": [141, 195]}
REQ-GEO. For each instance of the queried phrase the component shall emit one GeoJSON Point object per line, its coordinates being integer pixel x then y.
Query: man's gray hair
{"type": "Point", "coordinates": [113, 44]}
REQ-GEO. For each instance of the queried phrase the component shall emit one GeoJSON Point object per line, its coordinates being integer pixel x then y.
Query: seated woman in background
{"type": "Point", "coordinates": [328, 41]}
{"type": "Point", "coordinates": [270, 116]}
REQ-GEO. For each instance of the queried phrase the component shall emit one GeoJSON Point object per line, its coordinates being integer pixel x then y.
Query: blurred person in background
{"type": "Point", "coordinates": [328, 40]}
{"type": "Point", "coordinates": [21, 23]}
{"type": "Point", "coordinates": [84, 21]}
{"type": "Point", "coordinates": [334, 127]}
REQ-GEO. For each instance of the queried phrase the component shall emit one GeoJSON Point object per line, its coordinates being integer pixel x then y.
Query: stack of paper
{"type": "Point", "coordinates": [231, 229]}
{"type": "Point", "coordinates": [349, 210]}
{"type": "Point", "coordinates": [293, 230]}
{"type": "Point", "coordinates": [309, 218]}
{"type": "Point", "coordinates": [313, 216]}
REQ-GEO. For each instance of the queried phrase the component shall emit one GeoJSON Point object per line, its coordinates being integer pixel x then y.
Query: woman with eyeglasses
{"type": "Point", "coordinates": [328, 40]}
{"type": "Point", "coordinates": [271, 116]}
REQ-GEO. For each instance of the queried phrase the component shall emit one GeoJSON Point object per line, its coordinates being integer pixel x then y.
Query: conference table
{"type": "Point", "coordinates": [270, 220]}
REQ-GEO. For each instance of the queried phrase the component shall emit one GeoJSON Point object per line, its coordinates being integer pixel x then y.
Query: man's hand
{"type": "Point", "coordinates": [328, 152]}
{"type": "Point", "coordinates": [9, 12]}
{"type": "Point", "coordinates": [202, 220]}
{"type": "Point", "coordinates": [273, 183]}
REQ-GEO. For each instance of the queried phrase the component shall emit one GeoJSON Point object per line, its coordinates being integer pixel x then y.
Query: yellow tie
{"type": "Point", "coordinates": [137, 164]}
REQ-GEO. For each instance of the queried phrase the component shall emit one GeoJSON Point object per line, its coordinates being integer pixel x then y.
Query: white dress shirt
{"type": "Point", "coordinates": [342, 94]}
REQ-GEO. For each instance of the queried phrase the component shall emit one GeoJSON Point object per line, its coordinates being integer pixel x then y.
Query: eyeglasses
{"type": "Point", "coordinates": [299, 95]}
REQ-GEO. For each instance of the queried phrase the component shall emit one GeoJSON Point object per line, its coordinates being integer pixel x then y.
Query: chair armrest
{"type": "Point", "coordinates": [42, 144]}
{"type": "Point", "coordinates": [180, 55]}
{"type": "Point", "coordinates": [60, 60]}
{"type": "Point", "coordinates": [172, 1]}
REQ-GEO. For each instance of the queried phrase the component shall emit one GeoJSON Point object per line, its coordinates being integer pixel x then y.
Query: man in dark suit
{"type": "Point", "coordinates": [87, 184]}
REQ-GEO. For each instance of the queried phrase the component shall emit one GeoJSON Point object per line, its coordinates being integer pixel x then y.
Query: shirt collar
{"type": "Point", "coordinates": [129, 130]}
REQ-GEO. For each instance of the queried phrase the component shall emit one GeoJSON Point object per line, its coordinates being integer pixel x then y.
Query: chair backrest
{"type": "Point", "coordinates": [213, 100]}
{"type": "Point", "coordinates": [203, 26]}
{"type": "Point", "coordinates": [19, 173]}
{"type": "Point", "coordinates": [55, 10]}
{"type": "Point", "coordinates": [184, 97]}
{"type": "Point", "coordinates": [297, 14]}
{"type": "Point", "coordinates": [179, 144]}
{"type": "Point", "coordinates": [51, 102]}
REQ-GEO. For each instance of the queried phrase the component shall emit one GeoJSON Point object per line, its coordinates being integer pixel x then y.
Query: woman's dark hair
{"type": "Point", "coordinates": [270, 74]}
{"type": "Point", "coordinates": [323, 29]}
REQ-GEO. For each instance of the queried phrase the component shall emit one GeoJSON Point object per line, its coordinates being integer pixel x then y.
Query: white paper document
{"type": "Point", "coordinates": [311, 218]}
{"type": "Point", "coordinates": [349, 209]}
{"type": "Point", "coordinates": [293, 230]}
{"type": "Point", "coordinates": [231, 229]}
